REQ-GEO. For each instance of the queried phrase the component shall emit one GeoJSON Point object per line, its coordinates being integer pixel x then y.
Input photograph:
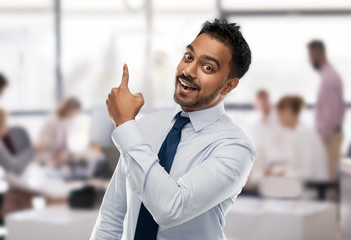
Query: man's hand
{"type": "Point", "coordinates": [123, 106]}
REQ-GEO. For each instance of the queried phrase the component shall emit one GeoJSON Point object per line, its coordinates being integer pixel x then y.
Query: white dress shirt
{"type": "Point", "coordinates": [211, 165]}
{"type": "Point", "coordinates": [53, 135]}
{"type": "Point", "coordinates": [299, 152]}
{"type": "Point", "coordinates": [305, 154]}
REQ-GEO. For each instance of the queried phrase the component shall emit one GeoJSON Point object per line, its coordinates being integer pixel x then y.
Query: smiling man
{"type": "Point", "coordinates": [180, 169]}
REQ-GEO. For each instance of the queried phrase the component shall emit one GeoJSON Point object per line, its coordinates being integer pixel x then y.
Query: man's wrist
{"type": "Point", "coordinates": [127, 136]}
{"type": "Point", "coordinates": [121, 121]}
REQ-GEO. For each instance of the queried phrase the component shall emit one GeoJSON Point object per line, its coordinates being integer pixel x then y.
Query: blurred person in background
{"type": "Point", "coordinates": [52, 146]}
{"type": "Point", "coordinates": [263, 133]}
{"type": "Point", "coordinates": [306, 155]}
{"type": "Point", "coordinates": [10, 161]}
{"type": "Point", "coordinates": [330, 106]}
{"type": "Point", "coordinates": [5, 137]}
{"type": "Point", "coordinates": [267, 121]}
{"type": "Point", "coordinates": [290, 149]}
{"type": "Point", "coordinates": [14, 199]}
{"type": "Point", "coordinates": [264, 105]}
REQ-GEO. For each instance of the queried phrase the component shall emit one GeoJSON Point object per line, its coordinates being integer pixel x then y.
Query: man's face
{"type": "Point", "coordinates": [202, 74]}
{"type": "Point", "coordinates": [285, 117]}
{"type": "Point", "coordinates": [263, 103]}
{"type": "Point", "coordinates": [73, 113]}
{"type": "Point", "coordinates": [315, 59]}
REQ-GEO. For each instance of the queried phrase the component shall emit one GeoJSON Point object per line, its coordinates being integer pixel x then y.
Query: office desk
{"type": "Point", "coordinates": [252, 219]}
{"type": "Point", "coordinates": [54, 222]}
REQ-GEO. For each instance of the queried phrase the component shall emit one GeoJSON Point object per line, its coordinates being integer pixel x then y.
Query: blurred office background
{"type": "Point", "coordinates": [51, 50]}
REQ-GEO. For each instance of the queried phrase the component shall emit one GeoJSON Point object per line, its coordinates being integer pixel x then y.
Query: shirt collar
{"type": "Point", "coordinates": [203, 118]}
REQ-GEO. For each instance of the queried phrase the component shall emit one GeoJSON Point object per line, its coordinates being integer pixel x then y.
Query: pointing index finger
{"type": "Point", "coordinates": [125, 76]}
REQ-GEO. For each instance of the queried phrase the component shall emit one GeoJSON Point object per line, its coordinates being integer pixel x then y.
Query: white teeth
{"type": "Point", "coordinates": [183, 83]}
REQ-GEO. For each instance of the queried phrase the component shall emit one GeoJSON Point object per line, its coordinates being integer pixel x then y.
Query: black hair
{"type": "Point", "coordinates": [230, 35]}
{"type": "Point", "coordinates": [3, 81]}
{"type": "Point", "coordinates": [317, 45]}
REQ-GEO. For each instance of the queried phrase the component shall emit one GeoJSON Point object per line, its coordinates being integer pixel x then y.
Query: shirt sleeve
{"type": "Point", "coordinates": [330, 106]}
{"type": "Point", "coordinates": [324, 113]}
{"type": "Point", "coordinates": [109, 224]}
{"type": "Point", "coordinates": [172, 202]}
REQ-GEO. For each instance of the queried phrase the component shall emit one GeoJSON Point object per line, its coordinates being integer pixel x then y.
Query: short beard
{"type": "Point", "coordinates": [316, 65]}
{"type": "Point", "coordinates": [199, 101]}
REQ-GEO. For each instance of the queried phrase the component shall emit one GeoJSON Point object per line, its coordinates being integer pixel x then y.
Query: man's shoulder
{"type": "Point", "coordinates": [157, 117]}
{"type": "Point", "coordinates": [227, 129]}
{"type": "Point", "coordinates": [330, 75]}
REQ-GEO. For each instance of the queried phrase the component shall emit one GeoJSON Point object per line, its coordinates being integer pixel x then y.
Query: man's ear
{"type": "Point", "coordinates": [230, 85]}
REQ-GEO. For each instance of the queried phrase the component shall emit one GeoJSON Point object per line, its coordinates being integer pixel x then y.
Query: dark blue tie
{"type": "Point", "coordinates": [147, 228]}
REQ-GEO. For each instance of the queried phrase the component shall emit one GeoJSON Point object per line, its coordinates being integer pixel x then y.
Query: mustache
{"type": "Point", "coordinates": [189, 79]}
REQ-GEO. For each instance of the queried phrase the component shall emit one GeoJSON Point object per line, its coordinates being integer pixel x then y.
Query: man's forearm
{"type": "Point", "coordinates": [170, 201]}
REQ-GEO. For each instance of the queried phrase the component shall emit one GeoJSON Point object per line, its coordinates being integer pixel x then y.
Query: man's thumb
{"type": "Point", "coordinates": [139, 96]}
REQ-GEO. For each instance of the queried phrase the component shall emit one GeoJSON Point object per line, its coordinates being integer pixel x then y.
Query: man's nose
{"type": "Point", "coordinates": [190, 70]}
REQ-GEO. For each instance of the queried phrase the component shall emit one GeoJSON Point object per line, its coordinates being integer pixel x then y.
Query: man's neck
{"type": "Point", "coordinates": [293, 123]}
{"type": "Point", "coordinates": [324, 63]}
{"type": "Point", "coordinates": [188, 109]}
{"type": "Point", "coordinates": [265, 115]}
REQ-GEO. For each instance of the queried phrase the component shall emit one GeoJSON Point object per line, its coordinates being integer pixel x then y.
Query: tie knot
{"type": "Point", "coordinates": [180, 122]}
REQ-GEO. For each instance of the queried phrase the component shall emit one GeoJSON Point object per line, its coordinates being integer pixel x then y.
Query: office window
{"type": "Point", "coordinates": [284, 5]}
{"type": "Point", "coordinates": [184, 5]}
{"type": "Point", "coordinates": [112, 33]}
{"type": "Point", "coordinates": [280, 57]}
{"type": "Point", "coordinates": [92, 60]}
{"type": "Point", "coordinates": [82, 6]}
{"type": "Point", "coordinates": [27, 54]}
{"type": "Point", "coordinates": [25, 5]}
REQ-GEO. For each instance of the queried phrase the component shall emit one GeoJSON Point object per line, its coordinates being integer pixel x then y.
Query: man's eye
{"type": "Point", "coordinates": [187, 56]}
{"type": "Point", "coordinates": [208, 68]}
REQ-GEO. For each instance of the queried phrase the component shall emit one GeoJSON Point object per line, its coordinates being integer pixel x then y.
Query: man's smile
{"type": "Point", "coordinates": [185, 86]}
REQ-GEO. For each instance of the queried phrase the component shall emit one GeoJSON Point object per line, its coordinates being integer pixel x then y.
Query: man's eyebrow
{"type": "Point", "coordinates": [206, 56]}
{"type": "Point", "coordinates": [212, 59]}
{"type": "Point", "coordinates": [190, 47]}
